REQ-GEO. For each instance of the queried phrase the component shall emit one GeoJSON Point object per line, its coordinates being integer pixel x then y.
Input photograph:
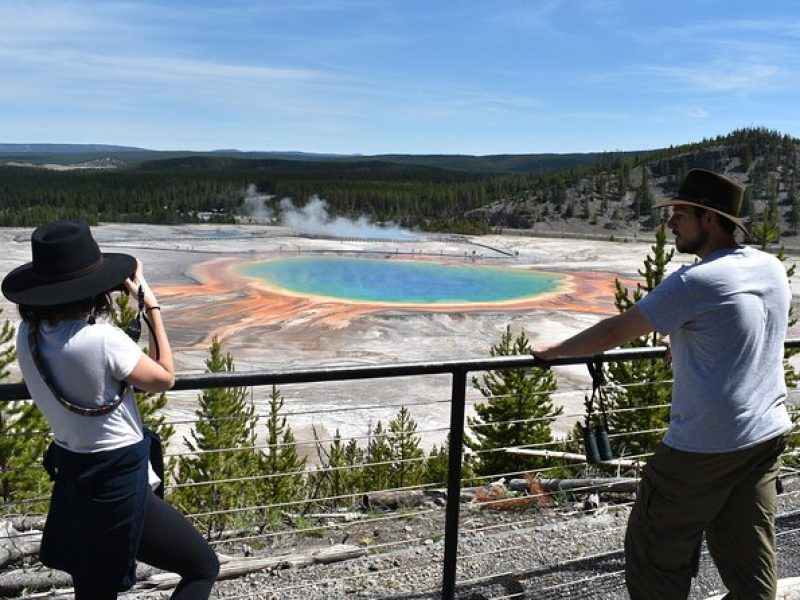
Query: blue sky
{"type": "Point", "coordinates": [405, 76]}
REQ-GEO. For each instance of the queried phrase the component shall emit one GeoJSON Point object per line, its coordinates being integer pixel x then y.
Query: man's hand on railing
{"type": "Point", "coordinates": [541, 355]}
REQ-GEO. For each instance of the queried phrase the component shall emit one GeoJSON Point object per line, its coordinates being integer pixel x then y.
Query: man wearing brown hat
{"type": "Point", "coordinates": [715, 470]}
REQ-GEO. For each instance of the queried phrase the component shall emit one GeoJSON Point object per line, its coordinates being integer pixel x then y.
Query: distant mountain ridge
{"type": "Point", "coordinates": [67, 148]}
{"type": "Point", "coordinates": [38, 154]}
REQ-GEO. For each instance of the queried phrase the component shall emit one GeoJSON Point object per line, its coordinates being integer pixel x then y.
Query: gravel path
{"type": "Point", "coordinates": [545, 554]}
{"type": "Point", "coordinates": [566, 550]}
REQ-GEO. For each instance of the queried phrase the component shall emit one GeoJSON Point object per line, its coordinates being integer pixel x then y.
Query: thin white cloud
{"type": "Point", "coordinates": [721, 78]}
{"type": "Point", "coordinates": [728, 29]}
{"type": "Point", "coordinates": [697, 113]}
{"type": "Point", "coordinates": [596, 116]}
{"type": "Point", "coordinates": [108, 68]}
{"type": "Point", "coordinates": [535, 16]}
{"type": "Point", "coordinates": [603, 6]}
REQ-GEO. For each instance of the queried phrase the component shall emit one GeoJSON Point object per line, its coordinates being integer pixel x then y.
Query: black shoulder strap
{"type": "Point", "coordinates": [86, 411]}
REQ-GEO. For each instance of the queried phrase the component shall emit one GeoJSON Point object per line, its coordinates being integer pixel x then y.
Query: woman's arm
{"type": "Point", "coordinates": [151, 374]}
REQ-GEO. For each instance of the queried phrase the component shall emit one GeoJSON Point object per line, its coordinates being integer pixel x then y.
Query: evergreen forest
{"type": "Point", "coordinates": [605, 191]}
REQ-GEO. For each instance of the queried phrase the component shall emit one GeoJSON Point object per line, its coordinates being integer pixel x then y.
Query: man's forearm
{"type": "Point", "coordinates": [608, 333]}
{"type": "Point", "coordinates": [595, 339]}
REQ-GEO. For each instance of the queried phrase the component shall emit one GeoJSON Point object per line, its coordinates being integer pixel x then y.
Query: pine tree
{"type": "Point", "coordinates": [376, 461]}
{"type": "Point", "coordinates": [437, 466]}
{"type": "Point", "coordinates": [793, 216]}
{"type": "Point", "coordinates": [23, 440]}
{"type": "Point", "coordinates": [404, 451]}
{"type": "Point", "coordinates": [223, 440]}
{"type": "Point", "coordinates": [642, 201]}
{"type": "Point", "coordinates": [643, 384]}
{"type": "Point", "coordinates": [766, 231]}
{"type": "Point", "coordinates": [518, 411]}
{"type": "Point", "coordinates": [286, 482]}
{"type": "Point", "coordinates": [329, 483]}
{"type": "Point", "coordinates": [747, 209]}
{"type": "Point", "coordinates": [337, 481]}
{"type": "Point", "coordinates": [354, 459]}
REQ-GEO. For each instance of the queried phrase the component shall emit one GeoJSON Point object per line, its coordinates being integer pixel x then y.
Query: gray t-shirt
{"type": "Point", "coordinates": [726, 317]}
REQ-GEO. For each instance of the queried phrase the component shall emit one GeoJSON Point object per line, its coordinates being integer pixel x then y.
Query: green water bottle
{"type": "Point", "coordinates": [603, 443]}
{"type": "Point", "coordinates": [590, 445]}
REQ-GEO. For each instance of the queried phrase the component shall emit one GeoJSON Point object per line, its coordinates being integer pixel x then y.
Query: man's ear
{"type": "Point", "coordinates": [709, 219]}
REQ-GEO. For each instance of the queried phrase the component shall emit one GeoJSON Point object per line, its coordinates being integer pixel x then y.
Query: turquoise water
{"type": "Point", "coordinates": [400, 282]}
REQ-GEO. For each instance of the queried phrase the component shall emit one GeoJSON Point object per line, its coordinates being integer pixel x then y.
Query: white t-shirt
{"type": "Point", "coordinates": [726, 317]}
{"type": "Point", "coordinates": [85, 363]}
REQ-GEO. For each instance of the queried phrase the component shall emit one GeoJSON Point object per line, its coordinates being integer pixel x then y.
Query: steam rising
{"type": "Point", "coordinates": [255, 205]}
{"type": "Point", "coordinates": [314, 219]}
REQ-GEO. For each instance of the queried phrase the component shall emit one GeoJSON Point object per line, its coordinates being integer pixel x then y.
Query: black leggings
{"type": "Point", "coordinates": [169, 542]}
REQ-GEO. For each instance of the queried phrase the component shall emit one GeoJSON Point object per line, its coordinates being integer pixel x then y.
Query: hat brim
{"type": "Point", "coordinates": [20, 286]}
{"type": "Point", "coordinates": [680, 202]}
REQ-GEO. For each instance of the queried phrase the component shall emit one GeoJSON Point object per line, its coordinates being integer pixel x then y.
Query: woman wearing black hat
{"type": "Point", "coordinates": [81, 373]}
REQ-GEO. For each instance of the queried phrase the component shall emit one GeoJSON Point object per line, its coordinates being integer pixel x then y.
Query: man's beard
{"type": "Point", "coordinates": [692, 245]}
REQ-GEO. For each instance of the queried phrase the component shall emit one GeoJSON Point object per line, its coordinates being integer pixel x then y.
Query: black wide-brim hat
{"type": "Point", "coordinates": [711, 191]}
{"type": "Point", "coordinates": [67, 267]}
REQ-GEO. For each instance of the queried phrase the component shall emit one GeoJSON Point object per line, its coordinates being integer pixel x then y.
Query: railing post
{"type": "Point", "coordinates": [457, 402]}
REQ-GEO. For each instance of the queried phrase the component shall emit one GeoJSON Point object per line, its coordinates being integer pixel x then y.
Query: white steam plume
{"type": "Point", "coordinates": [314, 219]}
{"type": "Point", "coordinates": [255, 204]}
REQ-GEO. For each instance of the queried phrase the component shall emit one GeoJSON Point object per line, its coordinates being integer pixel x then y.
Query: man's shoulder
{"type": "Point", "coordinates": [735, 257]}
{"type": "Point", "coordinates": [764, 260]}
{"type": "Point", "coordinates": [756, 253]}
{"type": "Point", "coordinates": [743, 267]}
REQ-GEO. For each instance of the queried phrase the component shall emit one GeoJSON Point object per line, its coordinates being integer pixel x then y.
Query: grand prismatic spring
{"type": "Point", "coordinates": [400, 282]}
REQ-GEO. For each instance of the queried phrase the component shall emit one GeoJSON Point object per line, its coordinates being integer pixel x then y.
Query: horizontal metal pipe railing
{"type": "Point", "coordinates": [458, 369]}
{"type": "Point", "coordinates": [183, 382]}
{"type": "Point", "coordinates": [200, 381]}
{"type": "Point", "coordinates": [18, 391]}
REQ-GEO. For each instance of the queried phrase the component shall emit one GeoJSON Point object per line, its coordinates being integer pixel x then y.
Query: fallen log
{"type": "Point", "coordinates": [232, 567]}
{"type": "Point", "coordinates": [624, 485]}
{"type": "Point", "coordinates": [28, 522]}
{"type": "Point", "coordinates": [394, 499]}
{"type": "Point", "coordinates": [13, 584]}
{"type": "Point", "coordinates": [15, 544]}
{"type": "Point", "coordinates": [574, 457]}
{"type": "Point", "coordinates": [338, 552]}
{"type": "Point", "coordinates": [345, 516]}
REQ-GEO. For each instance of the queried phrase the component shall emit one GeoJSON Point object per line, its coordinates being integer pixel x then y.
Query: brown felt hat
{"type": "Point", "coordinates": [711, 191]}
{"type": "Point", "coordinates": [67, 267]}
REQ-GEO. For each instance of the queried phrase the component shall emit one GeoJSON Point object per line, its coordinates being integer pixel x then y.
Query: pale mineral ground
{"type": "Point", "coordinates": [190, 268]}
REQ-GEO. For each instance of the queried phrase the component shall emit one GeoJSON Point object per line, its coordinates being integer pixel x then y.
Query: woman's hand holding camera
{"type": "Point", "coordinates": [158, 374]}
{"type": "Point", "coordinates": [137, 281]}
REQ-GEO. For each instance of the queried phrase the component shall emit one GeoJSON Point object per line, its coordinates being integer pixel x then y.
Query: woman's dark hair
{"type": "Point", "coordinates": [89, 307]}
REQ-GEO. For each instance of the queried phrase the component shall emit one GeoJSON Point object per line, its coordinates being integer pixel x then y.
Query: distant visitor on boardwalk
{"type": "Point", "coordinates": [81, 371]}
{"type": "Point", "coordinates": [716, 468]}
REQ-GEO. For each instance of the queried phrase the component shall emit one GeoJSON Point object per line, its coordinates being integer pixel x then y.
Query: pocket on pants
{"type": "Point", "coordinates": [661, 537]}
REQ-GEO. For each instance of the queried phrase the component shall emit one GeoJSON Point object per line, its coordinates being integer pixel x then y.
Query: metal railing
{"type": "Point", "coordinates": [457, 369]}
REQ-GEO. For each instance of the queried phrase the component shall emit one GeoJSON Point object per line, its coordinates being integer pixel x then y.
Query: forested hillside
{"type": "Point", "coordinates": [176, 190]}
{"type": "Point", "coordinates": [442, 193]}
{"type": "Point", "coordinates": [620, 193]}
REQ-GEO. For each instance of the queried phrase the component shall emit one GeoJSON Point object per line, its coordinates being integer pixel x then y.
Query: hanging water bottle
{"type": "Point", "coordinates": [590, 445]}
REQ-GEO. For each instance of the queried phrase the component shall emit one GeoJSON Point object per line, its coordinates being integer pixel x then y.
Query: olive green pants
{"type": "Point", "coordinates": [731, 496]}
